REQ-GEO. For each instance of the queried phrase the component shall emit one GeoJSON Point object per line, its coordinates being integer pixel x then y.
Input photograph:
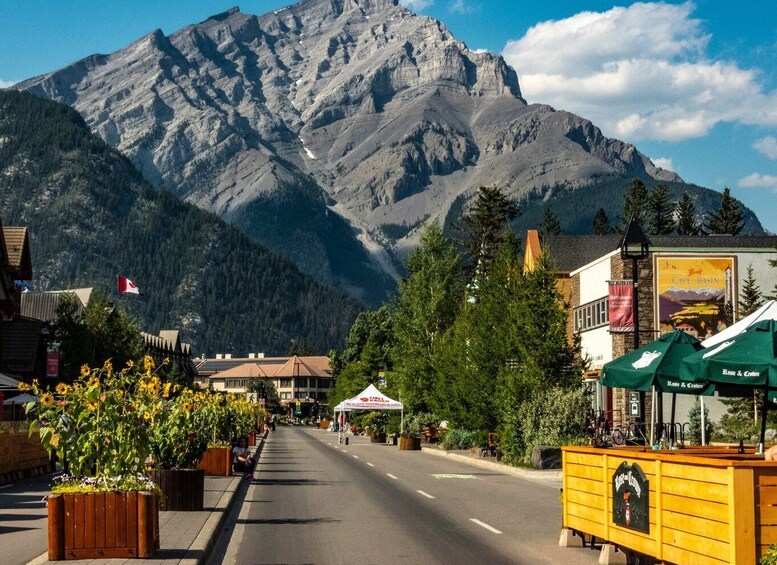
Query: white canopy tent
{"type": "Point", "coordinates": [369, 399]}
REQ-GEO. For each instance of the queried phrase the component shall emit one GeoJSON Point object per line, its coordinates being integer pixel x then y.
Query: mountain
{"type": "Point", "coordinates": [91, 216]}
{"type": "Point", "coordinates": [332, 129]}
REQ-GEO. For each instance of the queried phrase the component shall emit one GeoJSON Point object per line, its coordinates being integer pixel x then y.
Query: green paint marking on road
{"type": "Point", "coordinates": [452, 476]}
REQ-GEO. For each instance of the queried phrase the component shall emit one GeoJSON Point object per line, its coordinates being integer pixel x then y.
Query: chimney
{"type": "Point", "coordinates": [260, 355]}
{"type": "Point", "coordinates": [228, 356]}
{"type": "Point", "coordinates": [252, 355]}
{"type": "Point", "coordinates": [219, 356]}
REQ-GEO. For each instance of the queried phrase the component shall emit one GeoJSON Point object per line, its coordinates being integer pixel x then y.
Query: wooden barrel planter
{"type": "Point", "coordinates": [216, 462]}
{"type": "Point", "coordinates": [99, 525]}
{"type": "Point", "coordinates": [252, 439]}
{"type": "Point", "coordinates": [378, 438]}
{"type": "Point", "coordinates": [409, 443]}
{"type": "Point", "coordinates": [182, 489]}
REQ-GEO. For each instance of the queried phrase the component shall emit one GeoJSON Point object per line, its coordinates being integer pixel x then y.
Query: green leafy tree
{"type": "Point", "coordinates": [751, 298]}
{"type": "Point", "coordinates": [635, 203]}
{"type": "Point", "coordinates": [427, 304]}
{"type": "Point", "coordinates": [550, 223]}
{"type": "Point", "coordinates": [660, 211]}
{"type": "Point", "coordinates": [484, 225]}
{"type": "Point", "coordinates": [729, 218]}
{"type": "Point", "coordinates": [601, 223]}
{"type": "Point", "coordinates": [265, 388]}
{"type": "Point", "coordinates": [101, 332]}
{"type": "Point", "coordinates": [686, 217]}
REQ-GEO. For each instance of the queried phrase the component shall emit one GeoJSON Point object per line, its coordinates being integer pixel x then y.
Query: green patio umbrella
{"type": "Point", "coordinates": [742, 363]}
{"type": "Point", "coordinates": [657, 364]}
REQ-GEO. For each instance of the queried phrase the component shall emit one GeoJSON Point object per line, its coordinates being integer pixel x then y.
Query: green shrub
{"type": "Point", "coordinates": [770, 557]}
{"type": "Point", "coordinates": [462, 439]}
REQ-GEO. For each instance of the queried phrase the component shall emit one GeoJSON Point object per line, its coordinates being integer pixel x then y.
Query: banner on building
{"type": "Point", "coordinates": [52, 365]}
{"type": "Point", "coordinates": [621, 306]}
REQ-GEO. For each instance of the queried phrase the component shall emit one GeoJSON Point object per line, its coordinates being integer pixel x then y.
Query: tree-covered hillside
{"type": "Point", "coordinates": [91, 216]}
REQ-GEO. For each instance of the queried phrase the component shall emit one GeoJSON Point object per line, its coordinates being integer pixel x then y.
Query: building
{"type": "Point", "coordinates": [691, 283]}
{"type": "Point", "coordinates": [168, 346]}
{"type": "Point", "coordinates": [303, 383]}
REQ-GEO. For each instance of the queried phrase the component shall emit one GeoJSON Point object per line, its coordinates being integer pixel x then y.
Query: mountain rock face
{"type": "Point", "coordinates": [317, 127]}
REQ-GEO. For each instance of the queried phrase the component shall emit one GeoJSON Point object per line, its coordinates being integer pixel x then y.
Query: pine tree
{"type": "Point", "coordinates": [601, 225]}
{"type": "Point", "coordinates": [484, 225]}
{"type": "Point", "coordinates": [729, 217]}
{"type": "Point", "coordinates": [550, 223]}
{"type": "Point", "coordinates": [686, 213]}
{"type": "Point", "coordinates": [660, 211]}
{"type": "Point", "coordinates": [751, 298]}
{"type": "Point", "coordinates": [635, 203]}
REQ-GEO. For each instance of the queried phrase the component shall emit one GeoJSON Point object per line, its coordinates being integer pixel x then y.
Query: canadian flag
{"type": "Point", "coordinates": [126, 286]}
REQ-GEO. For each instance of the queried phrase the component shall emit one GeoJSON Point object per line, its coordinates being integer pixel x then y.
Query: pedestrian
{"type": "Point", "coordinates": [242, 459]}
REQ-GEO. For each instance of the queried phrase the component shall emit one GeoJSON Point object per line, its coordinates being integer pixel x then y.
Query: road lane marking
{"type": "Point", "coordinates": [345, 451]}
{"type": "Point", "coordinates": [370, 464]}
{"type": "Point", "coordinates": [452, 476]}
{"type": "Point", "coordinates": [484, 525]}
{"type": "Point", "coordinates": [355, 456]}
{"type": "Point", "coordinates": [426, 494]}
{"type": "Point", "coordinates": [392, 476]}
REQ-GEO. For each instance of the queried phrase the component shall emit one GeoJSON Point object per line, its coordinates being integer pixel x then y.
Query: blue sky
{"type": "Point", "coordinates": [692, 84]}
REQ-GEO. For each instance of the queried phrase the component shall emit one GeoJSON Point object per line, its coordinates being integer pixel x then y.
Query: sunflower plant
{"type": "Point", "coordinates": [178, 432]}
{"type": "Point", "coordinates": [99, 427]}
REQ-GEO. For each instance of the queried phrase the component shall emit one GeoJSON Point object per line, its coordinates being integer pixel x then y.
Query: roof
{"type": "Point", "coordinates": [246, 370]}
{"type": "Point", "coordinates": [43, 305]}
{"type": "Point", "coordinates": [313, 365]}
{"type": "Point", "coordinates": [570, 252]}
{"type": "Point", "coordinates": [18, 249]}
{"type": "Point", "coordinates": [301, 367]}
{"type": "Point", "coordinates": [167, 341]}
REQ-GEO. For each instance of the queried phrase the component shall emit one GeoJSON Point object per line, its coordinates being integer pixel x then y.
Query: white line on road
{"type": "Point", "coordinates": [355, 456]}
{"type": "Point", "coordinates": [486, 526]}
{"type": "Point", "coordinates": [426, 494]}
{"type": "Point", "coordinates": [345, 451]}
{"type": "Point", "coordinates": [392, 476]}
{"type": "Point", "coordinates": [370, 464]}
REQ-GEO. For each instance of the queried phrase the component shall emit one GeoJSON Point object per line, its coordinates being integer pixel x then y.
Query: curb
{"type": "Point", "coordinates": [549, 475]}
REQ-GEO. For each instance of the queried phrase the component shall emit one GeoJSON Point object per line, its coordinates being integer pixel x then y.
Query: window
{"type": "Point", "coordinates": [285, 383]}
{"type": "Point", "coordinates": [592, 315]}
{"type": "Point", "coordinates": [285, 395]}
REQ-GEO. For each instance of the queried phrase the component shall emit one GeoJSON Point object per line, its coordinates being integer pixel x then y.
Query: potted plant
{"type": "Point", "coordinates": [376, 422]}
{"type": "Point", "coordinates": [178, 441]}
{"type": "Point", "coordinates": [410, 434]}
{"type": "Point", "coordinates": [226, 417]}
{"type": "Point", "coordinates": [98, 427]}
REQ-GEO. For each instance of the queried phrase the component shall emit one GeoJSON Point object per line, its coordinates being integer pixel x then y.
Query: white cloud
{"type": "Point", "coordinates": [757, 180]}
{"type": "Point", "coordinates": [416, 5]}
{"type": "Point", "coordinates": [462, 7]}
{"type": "Point", "coordinates": [6, 83]}
{"type": "Point", "coordinates": [664, 162]}
{"type": "Point", "coordinates": [639, 73]}
{"type": "Point", "coordinates": [767, 146]}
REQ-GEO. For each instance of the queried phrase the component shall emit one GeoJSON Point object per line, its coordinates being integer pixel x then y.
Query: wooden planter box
{"type": "Point", "coordinates": [216, 462]}
{"type": "Point", "coordinates": [378, 438]}
{"type": "Point", "coordinates": [182, 489]}
{"type": "Point", "coordinates": [252, 439]}
{"type": "Point", "coordinates": [103, 525]}
{"type": "Point", "coordinates": [410, 443]}
{"type": "Point", "coordinates": [705, 505]}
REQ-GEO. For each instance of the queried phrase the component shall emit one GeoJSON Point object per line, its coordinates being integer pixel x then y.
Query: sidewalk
{"type": "Point", "coordinates": [186, 538]}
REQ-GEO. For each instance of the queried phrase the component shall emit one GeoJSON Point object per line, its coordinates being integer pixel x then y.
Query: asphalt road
{"type": "Point", "coordinates": [315, 501]}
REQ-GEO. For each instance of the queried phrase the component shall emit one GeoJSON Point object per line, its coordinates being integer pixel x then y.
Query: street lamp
{"type": "Point", "coordinates": [635, 245]}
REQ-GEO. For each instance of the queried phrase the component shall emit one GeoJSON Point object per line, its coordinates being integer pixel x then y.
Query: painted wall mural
{"type": "Point", "coordinates": [695, 294]}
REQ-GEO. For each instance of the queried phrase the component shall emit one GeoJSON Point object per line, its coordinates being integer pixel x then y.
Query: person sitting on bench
{"type": "Point", "coordinates": [242, 460]}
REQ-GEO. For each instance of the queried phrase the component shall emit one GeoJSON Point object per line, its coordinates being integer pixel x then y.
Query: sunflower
{"type": "Point", "coordinates": [187, 406]}
{"type": "Point", "coordinates": [146, 415]}
{"type": "Point", "coordinates": [85, 370]}
{"type": "Point", "coordinates": [108, 367]}
{"type": "Point", "coordinates": [24, 387]}
{"type": "Point", "coordinates": [92, 404]}
{"type": "Point", "coordinates": [154, 387]}
{"type": "Point", "coordinates": [62, 389]}
{"type": "Point", "coordinates": [47, 399]}
{"type": "Point", "coordinates": [93, 381]}
{"type": "Point", "coordinates": [166, 392]}
{"type": "Point", "coordinates": [148, 362]}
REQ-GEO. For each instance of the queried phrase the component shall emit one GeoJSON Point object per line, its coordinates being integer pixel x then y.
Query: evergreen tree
{"type": "Point", "coordinates": [266, 390]}
{"type": "Point", "coordinates": [635, 203]}
{"type": "Point", "coordinates": [299, 347]}
{"type": "Point", "coordinates": [686, 214]}
{"type": "Point", "coordinates": [427, 304]}
{"type": "Point", "coordinates": [729, 217]}
{"type": "Point", "coordinates": [660, 211]}
{"type": "Point", "coordinates": [484, 225]}
{"type": "Point", "coordinates": [601, 224]}
{"type": "Point", "coordinates": [550, 223]}
{"type": "Point", "coordinates": [751, 298]}
{"type": "Point", "coordinates": [694, 423]}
